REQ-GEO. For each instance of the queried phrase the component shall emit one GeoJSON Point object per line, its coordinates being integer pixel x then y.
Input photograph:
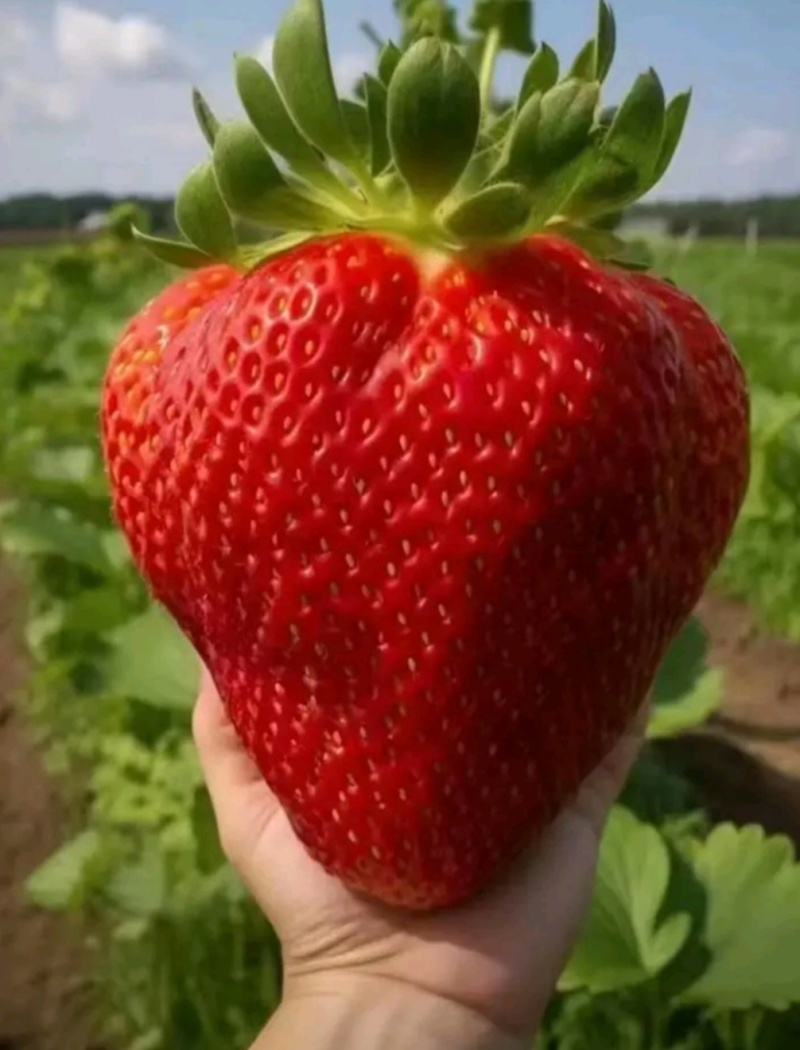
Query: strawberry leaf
{"type": "Point", "coordinates": [689, 712]}
{"type": "Point", "coordinates": [434, 116]}
{"type": "Point", "coordinates": [686, 692]}
{"type": "Point", "coordinates": [753, 926]}
{"type": "Point", "coordinates": [628, 939]}
{"type": "Point", "coordinates": [202, 216]}
{"type": "Point", "coordinates": [140, 889]}
{"type": "Point", "coordinates": [511, 19]}
{"type": "Point", "coordinates": [302, 64]}
{"type": "Point", "coordinates": [59, 883]}
{"type": "Point", "coordinates": [497, 210]}
{"type": "Point", "coordinates": [684, 664]}
{"type": "Point", "coordinates": [153, 662]}
{"type": "Point", "coordinates": [31, 530]}
{"type": "Point", "coordinates": [541, 74]}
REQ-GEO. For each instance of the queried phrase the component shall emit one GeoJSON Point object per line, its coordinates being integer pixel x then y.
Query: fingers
{"type": "Point", "coordinates": [226, 766]}
{"type": "Point", "coordinates": [242, 802]}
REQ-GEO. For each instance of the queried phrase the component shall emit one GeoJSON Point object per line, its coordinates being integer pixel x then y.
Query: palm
{"type": "Point", "coordinates": [491, 954]}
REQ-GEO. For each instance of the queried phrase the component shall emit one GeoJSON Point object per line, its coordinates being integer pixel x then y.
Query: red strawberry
{"type": "Point", "coordinates": [132, 449]}
{"type": "Point", "coordinates": [431, 517]}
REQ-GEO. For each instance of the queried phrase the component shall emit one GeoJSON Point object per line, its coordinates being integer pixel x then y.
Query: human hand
{"type": "Point", "coordinates": [358, 974]}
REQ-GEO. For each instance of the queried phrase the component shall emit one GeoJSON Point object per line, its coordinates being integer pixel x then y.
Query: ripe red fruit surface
{"type": "Point", "coordinates": [430, 487]}
{"type": "Point", "coordinates": [432, 535]}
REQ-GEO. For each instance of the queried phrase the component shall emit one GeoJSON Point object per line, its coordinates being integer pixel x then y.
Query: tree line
{"type": "Point", "coordinates": [777, 216]}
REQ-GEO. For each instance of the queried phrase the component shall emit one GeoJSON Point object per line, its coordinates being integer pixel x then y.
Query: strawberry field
{"type": "Point", "coordinates": [694, 938]}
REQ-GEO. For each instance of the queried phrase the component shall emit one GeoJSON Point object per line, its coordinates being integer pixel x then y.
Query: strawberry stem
{"type": "Point", "coordinates": [491, 53]}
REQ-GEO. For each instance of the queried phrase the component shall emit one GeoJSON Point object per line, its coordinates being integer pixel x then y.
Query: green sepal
{"type": "Point", "coordinates": [388, 62]}
{"type": "Point", "coordinates": [595, 58]}
{"type": "Point", "coordinates": [601, 243]}
{"type": "Point", "coordinates": [377, 114]}
{"type": "Point", "coordinates": [499, 127]}
{"type": "Point", "coordinates": [549, 143]}
{"type": "Point", "coordinates": [584, 65]}
{"type": "Point", "coordinates": [257, 254]}
{"type": "Point", "coordinates": [254, 188]}
{"type": "Point", "coordinates": [357, 122]}
{"type": "Point", "coordinates": [541, 74]}
{"type": "Point", "coordinates": [674, 123]}
{"type": "Point", "coordinates": [267, 113]}
{"type": "Point", "coordinates": [632, 264]}
{"type": "Point", "coordinates": [434, 111]}
{"type": "Point", "coordinates": [479, 170]}
{"type": "Point", "coordinates": [605, 42]}
{"type": "Point", "coordinates": [209, 125]}
{"type": "Point", "coordinates": [513, 19]}
{"type": "Point", "coordinates": [302, 65]}
{"type": "Point", "coordinates": [624, 158]}
{"type": "Point", "coordinates": [491, 214]}
{"type": "Point", "coordinates": [429, 156]}
{"type": "Point", "coordinates": [202, 216]}
{"type": "Point", "coordinates": [174, 253]}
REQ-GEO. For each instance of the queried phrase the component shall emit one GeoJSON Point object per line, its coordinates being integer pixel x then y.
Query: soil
{"type": "Point", "coordinates": [746, 766]}
{"type": "Point", "coordinates": [42, 968]}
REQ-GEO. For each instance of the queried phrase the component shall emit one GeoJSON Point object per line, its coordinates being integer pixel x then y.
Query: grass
{"type": "Point", "coordinates": [755, 297]}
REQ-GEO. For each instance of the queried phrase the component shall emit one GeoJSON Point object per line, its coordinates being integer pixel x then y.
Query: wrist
{"type": "Point", "coordinates": [343, 1012]}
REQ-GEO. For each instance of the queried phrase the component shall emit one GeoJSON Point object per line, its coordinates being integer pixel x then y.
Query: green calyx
{"type": "Point", "coordinates": [423, 153]}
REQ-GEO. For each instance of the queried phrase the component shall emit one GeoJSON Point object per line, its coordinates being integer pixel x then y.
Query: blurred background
{"type": "Point", "coordinates": [119, 923]}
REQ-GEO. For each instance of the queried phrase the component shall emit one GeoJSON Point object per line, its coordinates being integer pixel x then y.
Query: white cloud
{"type": "Point", "coordinates": [35, 104]}
{"type": "Point", "coordinates": [15, 39]}
{"type": "Point", "coordinates": [92, 44]}
{"type": "Point", "coordinates": [759, 147]}
{"type": "Point", "coordinates": [178, 134]}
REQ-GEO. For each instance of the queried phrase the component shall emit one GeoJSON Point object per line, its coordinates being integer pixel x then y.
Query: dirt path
{"type": "Point", "coordinates": [41, 989]}
{"type": "Point", "coordinates": [762, 684]}
{"type": "Point", "coordinates": [42, 1006]}
{"type": "Point", "coordinates": [746, 765]}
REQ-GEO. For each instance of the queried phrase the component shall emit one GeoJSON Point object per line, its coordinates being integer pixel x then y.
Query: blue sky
{"type": "Point", "coordinates": [93, 94]}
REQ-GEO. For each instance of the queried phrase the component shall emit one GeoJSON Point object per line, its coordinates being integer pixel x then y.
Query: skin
{"type": "Point", "coordinates": [359, 975]}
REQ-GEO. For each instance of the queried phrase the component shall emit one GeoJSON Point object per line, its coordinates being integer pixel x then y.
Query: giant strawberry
{"type": "Point", "coordinates": [430, 477]}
